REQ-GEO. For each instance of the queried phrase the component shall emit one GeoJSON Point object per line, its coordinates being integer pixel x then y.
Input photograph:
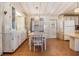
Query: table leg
{"type": "Point", "coordinates": [30, 44]}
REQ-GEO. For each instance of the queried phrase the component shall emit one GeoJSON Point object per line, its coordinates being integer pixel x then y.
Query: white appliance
{"type": "Point", "coordinates": [69, 27]}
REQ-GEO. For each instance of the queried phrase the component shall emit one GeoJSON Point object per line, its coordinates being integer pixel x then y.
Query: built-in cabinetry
{"type": "Point", "coordinates": [60, 28]}
{"type": "Point", "coordinates": [1, 18]}
{"type": "Point", "coordinates": [12, 36]}
{"type": "Point", "coordinates": [69, 27]}
{"type": "Point", "coordinates": [66, 24]}
{"type": "Point", "coordinates": [73, 40]}
{"type": "Point", "coordinates": [74, 44]}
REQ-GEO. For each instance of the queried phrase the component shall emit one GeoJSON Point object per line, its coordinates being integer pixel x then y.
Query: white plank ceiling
{"type": "Point", "coordinates": [47, 8]}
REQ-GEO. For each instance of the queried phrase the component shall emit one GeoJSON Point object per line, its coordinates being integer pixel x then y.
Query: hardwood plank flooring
{"type": "Point", "coordinates": [55, 47]}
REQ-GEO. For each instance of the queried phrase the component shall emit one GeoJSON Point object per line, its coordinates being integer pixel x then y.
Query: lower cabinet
{"type": "Point", "coordinates": [13, 40]}
{"type": "Point", "coordinates": [74, 44]}
{"type": "Point", "coordinates": [60, 36]}
{"type": "Point", "coordinates": [66, 37]}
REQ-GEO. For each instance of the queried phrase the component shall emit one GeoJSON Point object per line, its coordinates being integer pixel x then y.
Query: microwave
{"type": "Point", "coordinates": [76, 27]}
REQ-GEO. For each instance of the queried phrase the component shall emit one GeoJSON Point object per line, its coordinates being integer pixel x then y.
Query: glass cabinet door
{"type": "Point", "coordinates": [13, 17]}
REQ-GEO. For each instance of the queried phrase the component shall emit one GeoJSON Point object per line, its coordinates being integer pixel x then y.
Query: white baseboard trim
{"type": "Point", "coordinates": [1, 53]}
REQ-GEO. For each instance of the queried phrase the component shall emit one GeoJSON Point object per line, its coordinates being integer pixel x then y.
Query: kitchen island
{"type": "Point", "coordinates": [73, 40]}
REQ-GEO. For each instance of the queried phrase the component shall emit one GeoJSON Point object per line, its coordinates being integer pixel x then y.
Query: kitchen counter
{"type": "Point", "coordinates": [73, 35]}
{"type": "Point", "coordinates": [73, 40]}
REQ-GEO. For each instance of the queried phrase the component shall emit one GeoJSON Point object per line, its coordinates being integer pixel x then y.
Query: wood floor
{"type": "Point", "coordinates": [55, 47]}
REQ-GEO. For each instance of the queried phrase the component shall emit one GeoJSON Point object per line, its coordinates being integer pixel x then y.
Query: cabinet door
{"type": "Point", "coordinates": [52, 29]}
{"type": "Point", "coordinates": [1, 20]}
{"type": "Point", "coordinates": [46, 29]}
{"type": "Point", "coordinates": [7, 17]}
{"type": "Point", "coordinates": [69, 29]}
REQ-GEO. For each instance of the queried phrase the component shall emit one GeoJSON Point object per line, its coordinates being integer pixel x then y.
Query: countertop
{"type": "Point", "coordinates": [73, 35]}
{"type": "Point", "coordinates": [38, 33]}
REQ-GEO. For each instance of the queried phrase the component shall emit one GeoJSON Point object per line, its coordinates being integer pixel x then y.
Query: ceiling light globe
{"type": "Point", "coordinates": [76, 10]}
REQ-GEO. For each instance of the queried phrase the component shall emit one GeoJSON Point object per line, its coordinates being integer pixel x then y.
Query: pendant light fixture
{"type": "Point", "coordinates": [77, 9]}
{"type": "Point", "coordinates": [37, 9]}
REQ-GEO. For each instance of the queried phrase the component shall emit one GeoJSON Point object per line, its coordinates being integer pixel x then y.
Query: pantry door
{"type": "Point", "coordinates": [52, 29]}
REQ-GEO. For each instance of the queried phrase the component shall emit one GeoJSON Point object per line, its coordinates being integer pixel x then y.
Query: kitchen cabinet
{"type": "Point", "coordinates": [1, 23]}
{"type": "Point", "coordinates": [74, 41]}
{"type": "Point", "coordinates": [75, 18]}
{"type": "Point", "coordinates": [69, 27]}
{"type": "Point", "coordinates": [60, 36]}
{"type": "Point", "coordinates": [12, 37]}
{"type": "Point", "coordinates": [74, 44]}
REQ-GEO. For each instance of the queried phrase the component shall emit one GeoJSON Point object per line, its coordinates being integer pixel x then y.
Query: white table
{"type": "Point", "coordinates": [30, 39]}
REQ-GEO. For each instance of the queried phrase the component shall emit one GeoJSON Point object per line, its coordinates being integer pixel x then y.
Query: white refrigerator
{"type": "Point", "coordinates": [69, 27]}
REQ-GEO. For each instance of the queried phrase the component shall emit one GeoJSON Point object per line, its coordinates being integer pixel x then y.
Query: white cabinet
{"type": "Point", "coordinates": [7, 40]}
{"type": "Point", "coordinates": [52, 29]}
{"type": "Point", "coordinates": [7, 18]}
{"type": "Point", "coordinates": [60, 36]}
{"type": "Point", "coordinates": [69, 27]}
{"type": "Point", "coordinates": [75, 18]}
{"type": "Point", "coordinates": [12, 38]}
{"type": "Point", "coordinates": [1, 22]}
{"type": "Point", "coordinates": [74, 44]}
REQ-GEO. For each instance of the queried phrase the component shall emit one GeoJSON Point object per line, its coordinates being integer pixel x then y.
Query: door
{"type": "Point", "coordinates": [50, 28]}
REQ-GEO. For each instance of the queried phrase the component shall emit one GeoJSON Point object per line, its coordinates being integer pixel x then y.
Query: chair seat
{"type": "Point", "coordinates": [38, 39]}
{"type": "Point", "coordinates": [38, 44]}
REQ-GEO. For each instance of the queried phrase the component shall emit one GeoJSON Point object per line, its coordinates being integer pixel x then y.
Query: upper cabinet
{"type": "Point", "coordinates": [13, 18]}
{"type": "Point", "coordinates": [75, 18]}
